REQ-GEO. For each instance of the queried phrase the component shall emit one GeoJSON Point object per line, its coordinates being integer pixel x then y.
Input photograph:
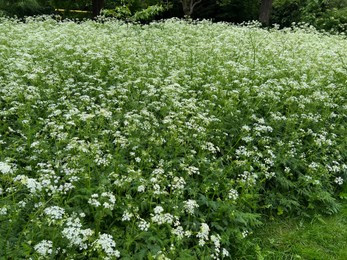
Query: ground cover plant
{"type": "Point", "coordinates": [172, 140]}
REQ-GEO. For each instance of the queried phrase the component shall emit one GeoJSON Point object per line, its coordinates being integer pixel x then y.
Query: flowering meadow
{"type": "Point", "coordinates": [172, 140]}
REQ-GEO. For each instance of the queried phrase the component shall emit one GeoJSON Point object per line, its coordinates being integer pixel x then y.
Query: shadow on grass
{"type": "Point", "coordinates": [323, 238]}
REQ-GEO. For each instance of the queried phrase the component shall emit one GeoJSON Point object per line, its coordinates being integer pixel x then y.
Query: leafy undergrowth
{"type": "Point", "coordinates": [169, 140]}
{"type": "Point", "coordinates": [322, 238]}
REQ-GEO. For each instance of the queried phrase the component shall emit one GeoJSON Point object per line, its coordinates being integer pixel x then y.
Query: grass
{"type": "Point", "coordinates": [322, 238]}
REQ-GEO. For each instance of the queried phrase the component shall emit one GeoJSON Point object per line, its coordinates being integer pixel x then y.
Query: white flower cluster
{"type": "Point", "coordinates": [162, 218]}
{"type": "Point", "coordinates": [233, 194]}
{"type": "Point", "coordinates": [44, 248]}
{"type": "Point", "coordinates": [210, 147]}
{"type": "Point", "coordinates": [160, 256]}
{"type": "Point", "coordinates": [75, 234]}
{"type": "Point", "coordinates": [244, 233]}
{"type": "Point", "coordinates": [193, 170]}
{"type": "Point", "coordinates": [5, 168]}
{"type": "Point", "coordinates": [33, 185]}
{"type": "Point", "coordinates": [3, 211]}
{"type": "Point", "coordinates": [158, 175]}
{"type": "Point", "coordinates": [203, 234]}
{"type": "Point", "coordinates": [339, 180]}
{"type": "Point", "coordinates": [127, 215]}
{"type": "Point", "coordinates": [178, 184]}
{"type": "Point", "coordinates": [107, 244]}
{"type": "Point", "coordinates": [225, 253]}
{"type": "Point", "coordinates": [143, 225]}
{"type": "Point", "coordinates": [248, 177]}
{"type": "Point", "coordinates": [190, 205]}
{"type": "Point", "coordinates": [178, 231]}
{"type": "Point", "coordinates": [54, 213]}
{"type": "Point", "coordinates": [141, 188]}
{"type": "Point", "coordinates": [107, 204]}
{"type": "Point", "coordinates": [216, 242]}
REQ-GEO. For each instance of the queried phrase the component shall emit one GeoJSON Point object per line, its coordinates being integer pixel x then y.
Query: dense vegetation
{"type": "Point", "coordinates": [323, 14]}
{"type": "Point", "coordinates": [174, 139]}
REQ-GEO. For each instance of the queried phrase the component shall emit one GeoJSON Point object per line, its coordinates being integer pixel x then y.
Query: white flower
{"type": "Point", "coordinates": [244, 233]}
{"type": "Point", "coordinates": [246, 128]}
{"type": "Point", "coordinates": [216, 241]}
{"type": "Point", "coordinates": [127, 216]}
{"type": "Point", "coordinates": [106, 204]}
{"type": "Point", "coordinates": [44, 248]}
{"type": "Point", "coordinates": [179, 232]}
{"type": "Point", "coordinates": [211, 147]}
{"type": "Point", "coordinates": [178, 183]}
{"type": "Point", "coordinates": [37, 205]}
{"type": "Point", "coordinates": [193, 170]}
{"type": "Point", "coordinates": [94, 202]}
{"type": "Point", "coordinates": [75, 234]}
{"type": "Point", "coordinates": [106, 243]}
{"type": "Point", "coordinates": [202, 242]}
{"type": "Point", "coordinates": [188, 233]}
{"type": "Point", "coordinates": [225, 253]}
{"type": "Point", "coordinates": [316, 182]}
{"type": "Point", "coordinates": [111, 199]}
{"type": "Point", "coordinates": [190, 205]}
{"type": "Point", "coordinates": [5, 168]}
{"type": "Point", "coordinates": [158, 171]}
{"type": "Point", "coordinates": [158, 210]}
{"type": "Point", "coordinates": [160, 256]}
{"type": "Point", "coordinates": [22, 204]}
{"type": "Point", "coordinates": [203, 233]}
{"type": "Point", "coordinates": [141, 188]}
{"type": "Point", "coordinates": [54, 212]}
{"type": "Point", "coordinates": [34, 144]}
{"type": "Point", "coordinates": [105, 113]}
{"type": "Point", "coordinates": [33, 185]}
{"type": "Point", "coordinates": [233, 194]}
{"type": "Point", "coordinates": [84, 116]}
{"type": "Point", "coordinates": [143, 225]}
{"type": "Point", "coordinates": [339, 180]}
{"type": "Point", "coordinates": [313, 165]}
{"type": "Point", "coordinates": [161, 218]}
{"type": "Point", "coordinates": [269, 175]}
{"type": "Point", "coordinates": [3, 211]}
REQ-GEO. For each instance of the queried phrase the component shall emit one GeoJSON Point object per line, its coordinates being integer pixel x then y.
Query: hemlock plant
{"type": "Point", "coordinates": [164, 141]}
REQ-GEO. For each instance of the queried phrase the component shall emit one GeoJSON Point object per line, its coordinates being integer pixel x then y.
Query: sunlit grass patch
{"type": "Point", "coordinates": [319, 238]}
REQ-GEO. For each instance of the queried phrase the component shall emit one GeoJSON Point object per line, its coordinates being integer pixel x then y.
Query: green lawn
{"type": "Point", "coordinates": [322, 238]}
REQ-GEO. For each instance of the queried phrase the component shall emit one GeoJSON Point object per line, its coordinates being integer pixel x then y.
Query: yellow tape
{"type": "Point", "coordinates": [72, 11]}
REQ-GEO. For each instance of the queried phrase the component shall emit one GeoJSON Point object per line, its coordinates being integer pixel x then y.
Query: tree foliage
{"type": "Point", "coordinates": [135, 10]}
{"type": "Point", "coordinates": [237, 10]}
{"type": "Point", "coordinates": [22, 7]}
{"type": "Point", "coordinates": [323, 14]}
